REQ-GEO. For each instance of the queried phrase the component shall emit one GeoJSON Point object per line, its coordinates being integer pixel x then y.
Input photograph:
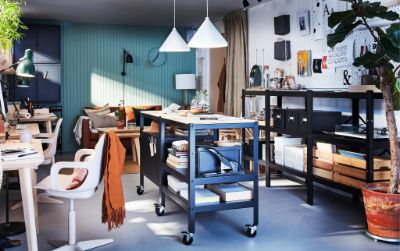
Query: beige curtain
{"type": "Point", "coordinates": [236, 61]}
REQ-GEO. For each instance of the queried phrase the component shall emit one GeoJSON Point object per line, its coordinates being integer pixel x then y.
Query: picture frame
{"type": "Point", "coordinates": [303, 22]}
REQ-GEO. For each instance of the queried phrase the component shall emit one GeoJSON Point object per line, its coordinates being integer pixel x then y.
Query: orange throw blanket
{"type": "Point", "coordinates": [113, 206]}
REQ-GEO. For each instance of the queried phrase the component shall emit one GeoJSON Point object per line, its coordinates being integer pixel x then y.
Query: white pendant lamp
{"type": "Point", "coordinates": [207, 36]}
{"type": "Point", "coordinates": [174, 41]}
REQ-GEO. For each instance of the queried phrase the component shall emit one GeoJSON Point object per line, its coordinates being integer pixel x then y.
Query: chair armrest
{"type": "Point", "coordinates": [82, 152]}
{"type": "Point", "coordinates": [44, 135]}
{"type": "Point", "coordinates": [55, 169]}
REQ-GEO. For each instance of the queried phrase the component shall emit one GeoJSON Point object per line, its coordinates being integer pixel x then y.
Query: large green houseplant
{"type": "Point", "coordinates": [10, 22]}
{"type": "Point", "coordinates": [381, 201]}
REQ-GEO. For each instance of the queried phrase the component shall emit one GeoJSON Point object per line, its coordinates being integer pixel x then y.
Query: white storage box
{"type": "Point", "coordinates": [280, 143]}
{"type": "Point", "coordinates": [295, 156]}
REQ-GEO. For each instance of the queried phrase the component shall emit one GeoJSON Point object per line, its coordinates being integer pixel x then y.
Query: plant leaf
{"type": "Point", "coordinates": [393, 32]}
{"type": "Point", "coordinates": [370, 60]}
{"type": "Point", "coordinates": [341, 33]}
{"type": "Point", "coordinates": [336, 17]}
{"type": "Point", "coordinates": [387, 47]}
{"type": "Point", "coordinates": [398, 84]}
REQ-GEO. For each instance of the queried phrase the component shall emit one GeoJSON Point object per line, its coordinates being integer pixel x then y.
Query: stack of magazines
{"type": "Point", "coordinates": [178, 155]}
{"type": "Point", "coordinates": [18, 154]}
{"type": "Point", "coordinates": [184, 132]}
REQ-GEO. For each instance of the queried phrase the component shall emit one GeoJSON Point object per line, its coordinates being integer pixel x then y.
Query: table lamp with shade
{"type": "Point", "coordinates": [25, 70]}
{"type": "Point", "coordinates": [185, 82]}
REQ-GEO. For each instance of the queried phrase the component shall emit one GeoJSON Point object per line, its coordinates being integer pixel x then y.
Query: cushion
{"type": "Point", "coordinates": [101, 111]}
{"type": "Point", "coordinates": [129, 114]}
{"type": "Point", "coordinates": [98, 121]}
{"type": "Point", "coordinates": [137, 111]}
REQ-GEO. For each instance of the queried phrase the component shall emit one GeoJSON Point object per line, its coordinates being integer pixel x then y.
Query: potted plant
{"type": "Point", "coordinates": [119, 114]}
{"type": "Point", "coordinates": [10, 23]}
{"type": "Point", "coordinates": [381, 200]}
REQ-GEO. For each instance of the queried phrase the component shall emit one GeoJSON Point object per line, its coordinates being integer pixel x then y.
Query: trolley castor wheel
{"type": "Point", "coordinates": [139, 190]}
{"type": "Point", "coordinates": [251, 231]}
{"type": "Point", "coordinates": [187, 238]}
{"type": "Point", "coordinates": [160, 210]}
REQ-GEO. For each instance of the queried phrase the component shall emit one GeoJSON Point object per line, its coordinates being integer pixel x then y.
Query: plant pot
{"type": "Point", "coordinates": [121, 124]}
{"type": "Point", "coordinates": [382, 210]}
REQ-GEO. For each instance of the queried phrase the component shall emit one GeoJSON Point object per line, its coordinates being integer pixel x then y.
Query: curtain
{"type": "Point", "coordinates": [236, 61]}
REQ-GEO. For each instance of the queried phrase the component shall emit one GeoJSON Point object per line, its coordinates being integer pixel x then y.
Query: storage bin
{"type": "Point", "coordinates": [278, 118]}
{"type": "Point", "coordinates": [296, 157]}
{"type": "Point", "coordinates": [323, 173]}
{"type": "Point", "coordinates": [207, 162]}
{"type": "Point", "coordinates": [348, 181]}
{"type": "Point", "coordinates": [321, 121]}
{"type": "Point", "coordinates": [279, 147]}
{"type": "Point", "coordinates": [292, 119]}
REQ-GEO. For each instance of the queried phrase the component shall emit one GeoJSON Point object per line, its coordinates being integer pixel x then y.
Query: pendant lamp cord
{"type": "Point", "coordinates": [174, 14]}
{"type": "Point", "coordinates": [207, 8]}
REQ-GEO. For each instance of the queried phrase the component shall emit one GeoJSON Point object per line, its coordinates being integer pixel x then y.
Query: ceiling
{"type": "Point", "coordinates": [133, 12]}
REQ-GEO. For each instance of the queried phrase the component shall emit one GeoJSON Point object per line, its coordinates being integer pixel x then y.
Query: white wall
{"type": "Point", "coordinates": [262, 37]}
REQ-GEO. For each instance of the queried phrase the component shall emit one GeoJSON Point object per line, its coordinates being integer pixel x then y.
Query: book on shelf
{"type": "Point", "coordinates": [202, 196]}
{"type": "Point", "coordinates": [185, 132]}
{"type": "Point", "coordinates": [177, 153]}
{"type": "Point", "coordinates": [175, 165]}
{"type": "Point", "coordinates": [176, 185]}
{"type": "Point", "coordinates": [178, 159]}
{"type": "Point", "coordinates": [231, 192]}
{"type": "Point", "coordinates": [181, 145]}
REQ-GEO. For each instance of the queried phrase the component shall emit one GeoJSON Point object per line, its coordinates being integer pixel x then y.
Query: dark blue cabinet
{"type": "Point", "coordinates": [44, 40]}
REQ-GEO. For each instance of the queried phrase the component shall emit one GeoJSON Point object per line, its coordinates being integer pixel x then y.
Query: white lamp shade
{"type": "Point", "coordinates": [174, 43]}
{"type": "Point", "coordinates": [207, 36]}
{"type": "Point", "coordinates": [185, 81]}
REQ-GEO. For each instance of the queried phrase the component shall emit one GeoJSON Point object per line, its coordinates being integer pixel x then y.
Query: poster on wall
{"type": "Point", "coordinates": [341, 54]}
{"type": "Point", "coordinates": [304, 63]}
{"type": "Point", "coordinates": [303, 22]}
{"type": "Point", "coordinates": [321, 10]}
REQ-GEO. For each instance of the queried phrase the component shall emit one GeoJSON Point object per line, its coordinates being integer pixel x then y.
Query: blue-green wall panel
{"type": "Point", "coordinates": [92, 65]}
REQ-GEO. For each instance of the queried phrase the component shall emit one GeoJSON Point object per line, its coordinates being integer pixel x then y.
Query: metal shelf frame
{"type": "Point", "coordinates": [365, 145]}
{"type": "Point", "coordinates": [190, 175]}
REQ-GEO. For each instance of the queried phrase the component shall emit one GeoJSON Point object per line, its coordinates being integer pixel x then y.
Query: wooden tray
{"type": "Point", "coordinates": [359, 163]}
{"type": "Point", "coordinates": [323, 173]}
{"type": "Point", "coordinates": [323, 164]}
{"type": "Point", "coordinates": [379, 175]}
{"type": "Point", "coordinates": [324, 155]}
{"type": "Point", "coordinates": [348, 181]}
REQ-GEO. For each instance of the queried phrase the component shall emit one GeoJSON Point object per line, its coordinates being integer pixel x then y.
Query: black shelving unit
{"type": "Point", "coordinates": [157, 170]}
{"type": "Point", "coordinates": [367, 145]}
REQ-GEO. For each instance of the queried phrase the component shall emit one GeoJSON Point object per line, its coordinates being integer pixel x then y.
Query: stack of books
{"type": "Point", "coordinates": [184, 132]}
{"type": "Point", "coordinates": [231, 192]}
{"type": "Point", "coordinates": [178, 155]}
{"type": "Point", "coordinates": [202, 196]}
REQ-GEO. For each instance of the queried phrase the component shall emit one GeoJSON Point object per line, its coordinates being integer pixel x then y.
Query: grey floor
{"type": "Point", "coordinates": [286, 223]}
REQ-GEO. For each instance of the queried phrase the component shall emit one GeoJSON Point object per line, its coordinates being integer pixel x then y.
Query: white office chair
{"type": "Point", "coordinates": [51, 140]}
{"type": "Point", "coordinates": [55, 185]}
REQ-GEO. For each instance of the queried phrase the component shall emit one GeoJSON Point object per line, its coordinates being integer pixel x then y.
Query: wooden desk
{"type": "Point", "coordinates": [25, 169]}
{"type": "Point", "coordinates": [45, 118]}
{"type": "Point", "coordinates": [33, 128]}
{"type": "Point", "coordinates": [132, 133]}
